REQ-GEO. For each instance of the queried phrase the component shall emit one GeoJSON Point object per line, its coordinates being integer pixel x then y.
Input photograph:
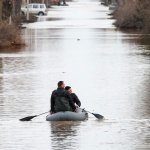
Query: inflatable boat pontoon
{"type": "Point", "coordinates": [79, 115]}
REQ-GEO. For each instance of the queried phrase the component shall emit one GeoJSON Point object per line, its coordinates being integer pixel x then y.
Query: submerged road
{"type": "Point", "coordinates": [109, 71]}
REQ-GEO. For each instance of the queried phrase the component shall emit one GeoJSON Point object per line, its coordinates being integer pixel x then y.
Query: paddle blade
{"type": "Point", "coordinates": [27, 118]}
{"type": "Point", "coordinates": [98, 116]}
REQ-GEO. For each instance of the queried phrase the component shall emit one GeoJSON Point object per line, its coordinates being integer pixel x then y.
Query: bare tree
{"type": "Point", "coordinates": [6, 9]}
{"type": "Point", "coordinates": [0, 10]}
{"type": "Point", "coordinates": [16, 7]}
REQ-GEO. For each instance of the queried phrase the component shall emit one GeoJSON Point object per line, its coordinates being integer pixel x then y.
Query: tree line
{"type": "Point", "coordinates": [133, 14]}
{"type": "Point", "coordinates": [9, 8]}
{"type": "Point", "coordinates": [13, 7]}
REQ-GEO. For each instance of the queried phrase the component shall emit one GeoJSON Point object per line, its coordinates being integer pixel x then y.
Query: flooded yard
{"type": "Point", "coordinates": [108, 70]}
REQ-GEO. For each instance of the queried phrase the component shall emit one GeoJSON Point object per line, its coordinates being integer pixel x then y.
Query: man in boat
{"type": "Point", "coordinates": [61, 100]}
{"type": "Point", "coordinates": [73, 96]}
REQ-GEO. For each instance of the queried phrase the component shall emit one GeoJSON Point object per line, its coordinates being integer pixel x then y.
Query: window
{"type": "Point", "coordinates": [41, 6]}
{"type": "Point", "coordinates": [35, 6]}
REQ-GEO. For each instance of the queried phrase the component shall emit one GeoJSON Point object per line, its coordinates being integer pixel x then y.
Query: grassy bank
{"type": "Point", "coordinates": [10, 35]}
{"type": "Point", "coordinates": [133, 14]}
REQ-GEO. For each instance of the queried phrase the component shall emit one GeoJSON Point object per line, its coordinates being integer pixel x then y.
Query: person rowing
{"type": "Point", "coordinates": [61, 100]}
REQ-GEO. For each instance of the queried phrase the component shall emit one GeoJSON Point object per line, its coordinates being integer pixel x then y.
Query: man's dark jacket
{"type": "Point", "coordinates": [75, 99]}
{"type": "Point", "coordinates": [61, 101]}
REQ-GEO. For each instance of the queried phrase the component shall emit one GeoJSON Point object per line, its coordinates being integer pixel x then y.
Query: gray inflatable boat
{"type": "Point", "coordinates": [79, 115]}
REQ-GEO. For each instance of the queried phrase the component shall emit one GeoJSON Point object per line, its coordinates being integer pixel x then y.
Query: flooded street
{"type": "Point", "coordinates": [108, 70]}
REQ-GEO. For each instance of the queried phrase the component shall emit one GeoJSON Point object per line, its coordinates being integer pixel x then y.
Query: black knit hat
{"type": "Point", "coordinates": [67, 88]}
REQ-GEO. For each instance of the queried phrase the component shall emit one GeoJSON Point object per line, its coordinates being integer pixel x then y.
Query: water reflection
{"type": "Point", "coordinates": [145, 42]}
{"type": "Point", "coordinates": [1, 72]}
{"type": "Point", "coordinates": [64, 135]}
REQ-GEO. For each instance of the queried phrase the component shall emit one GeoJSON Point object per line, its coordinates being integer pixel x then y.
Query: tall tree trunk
{"type": "Point", "coordinates": [16, 7]}
{"type": "Point", "coordinates": [6, 9]}
{"type": "Point", "coordinates": [1, 10]}
{"type": "Point", "coordinates": [121, 2]}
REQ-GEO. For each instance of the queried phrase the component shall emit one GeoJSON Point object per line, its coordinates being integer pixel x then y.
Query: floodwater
{"type": "Point", "coordinates": [108, 70]}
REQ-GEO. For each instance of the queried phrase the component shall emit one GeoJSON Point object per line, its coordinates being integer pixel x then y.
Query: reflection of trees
{"type": "Point", "coordinates": [1, 65]}
{"type": "Point", "coordinates": [144, 40]}
{"type": "Point", "coordinates": [63, 135]}
{"type": "Point", "coordinates": [1, 78]}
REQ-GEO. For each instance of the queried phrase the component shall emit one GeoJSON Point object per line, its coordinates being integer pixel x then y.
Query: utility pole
{"type": "Point", "coordinates": [27, 9]}
{"type": "Point", "coordinates": [106, 2]}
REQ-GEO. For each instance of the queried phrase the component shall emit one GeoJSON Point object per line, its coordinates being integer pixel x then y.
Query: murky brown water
{"type": "Point", "coordinates": [108, 69]}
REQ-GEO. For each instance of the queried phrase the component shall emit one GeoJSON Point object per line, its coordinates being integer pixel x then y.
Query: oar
{"type": "Point", "coordinates": [28, 118]}
{"type": "Point", "coordinates": [98, 116]}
